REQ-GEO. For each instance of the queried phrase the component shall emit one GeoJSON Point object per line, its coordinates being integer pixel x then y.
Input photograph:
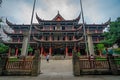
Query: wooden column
{"type": "Point", "coordinates": [42, 37]}
{"type": "Point", "coordinates": [41, 50]}
{"type": "Point", "coordinates": [50, 27]}
{"type": "Point", "coordinates": [66, 38]}
{"type": "Point", "coordinates": [16, 52]}
{"type": "Point", "coordinates": [50, 51]}
{"type": "Point", "coordinates": [66, 50]}
{"type": "Point", "coordinates": [9, 52]}
{"type": "Point", "coordinates": [96, 31]}
{"type": "Point", "coordinates": [74, 48]}
{"type": "Point", "coordinates": [73, 37]}
{"type": "Point", "coordinates": [73, 28]}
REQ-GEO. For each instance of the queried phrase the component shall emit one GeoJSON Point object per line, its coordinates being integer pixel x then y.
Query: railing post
{"type": "Point", "coordinates": [76, 64]}
{"type": "Point", "coordinates": [3, 61]}
{"type": "Point", "coordinates": [112, 64]}
{"type": "Point", "coordinates": [36, 64]}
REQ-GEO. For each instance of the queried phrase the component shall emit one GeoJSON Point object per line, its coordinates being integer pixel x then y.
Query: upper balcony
{"type": "Point", "coordinates": [58, 29]}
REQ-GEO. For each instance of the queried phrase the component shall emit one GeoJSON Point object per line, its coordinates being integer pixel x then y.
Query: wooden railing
{"type": "Point", "coordinates": [117, 62]}
{"type": "Point", "coordinates": [86, 63]}
{"type": "Point", "coordinates": [101, 64]}
{"type": "Point", "coordinates": [19, 65]}
{"type": "Point", "coordinates": [96, 65]}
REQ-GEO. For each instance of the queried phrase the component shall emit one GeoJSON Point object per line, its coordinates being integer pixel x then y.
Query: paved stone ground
{"type": "Point", "coordinates": [59, 70]}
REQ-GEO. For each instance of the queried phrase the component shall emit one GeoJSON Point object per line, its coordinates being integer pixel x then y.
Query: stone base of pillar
{"type": "Point", "coordinates": [76, 64]}
{"type": "Point", "coordinates": [36, 64]}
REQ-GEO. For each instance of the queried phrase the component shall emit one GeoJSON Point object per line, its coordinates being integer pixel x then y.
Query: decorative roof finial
{"type": "Point", "coordinates": [58, 11]}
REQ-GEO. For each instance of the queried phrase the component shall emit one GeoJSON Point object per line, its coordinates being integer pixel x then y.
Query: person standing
{"type": "Point", "coordinates": [47, 57]}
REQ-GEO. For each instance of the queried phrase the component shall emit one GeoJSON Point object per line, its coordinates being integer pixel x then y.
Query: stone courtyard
{"type": "Point", "coordinates": [59, 70]}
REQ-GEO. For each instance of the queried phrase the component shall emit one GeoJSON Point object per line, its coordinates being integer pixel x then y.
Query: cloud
{"type": "Point", "coordinates": [92, 12]}
{"type": "Point", "coordinates": [99, 11]}
{"type": "Point", "coordinates": [16, 10]}
{"type": "Point", "coordinates": [66, 9]}
{"type": "Point", "coordinates": [19, 11]}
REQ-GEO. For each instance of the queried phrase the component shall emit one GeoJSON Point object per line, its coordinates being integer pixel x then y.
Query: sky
{"type": "Point", "coordinates": [95, 11]}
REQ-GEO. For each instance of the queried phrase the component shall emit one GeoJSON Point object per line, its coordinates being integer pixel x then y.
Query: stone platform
{"type": "Point", "coordinates": [59, 57]}
{"type": "Point", "coordinates": [59, 70]}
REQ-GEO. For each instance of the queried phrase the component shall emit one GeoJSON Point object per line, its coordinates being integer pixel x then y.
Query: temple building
{"type": "Point", "coordinates": [56, 37]}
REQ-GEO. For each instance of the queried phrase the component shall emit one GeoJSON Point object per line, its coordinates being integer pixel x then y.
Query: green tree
{"type": "Point", "coordinates": [3, 48]}
{"type": "Point", "coordinates": [30, 49]}
{"type": "Point", "coordinates": [112, 36]}
{"type": "Point", "coordinates": [100, 47]}
{"type": "Point", "coordinates": [117, 51]}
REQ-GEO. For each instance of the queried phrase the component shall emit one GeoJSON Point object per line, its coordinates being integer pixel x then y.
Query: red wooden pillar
{"type": "Point", "coordinates": [9, 52]}
{"type": "Point", "coordinates": [50, 27]}
{"type": "Point", "coordinates": [73, 28]}
{"type": "Point", "coordinates": [66, 38]}
{"type": "Point", "coordinates": [50, 51]}
{"type": "Point", "coordinates": [87, 30]}
{"type": "Point", "coordinates": [41, 50]}
{"type": "Point", "coordinates": [42, 38]}
{"type": "Point", "coordinates": [66, 50]}
{"type": "Point", "coordinates": [96, 31]}
{"type": "Point", "coordinates": [73, 37]}
{"type": "Point", "coordinates": [16, 52]}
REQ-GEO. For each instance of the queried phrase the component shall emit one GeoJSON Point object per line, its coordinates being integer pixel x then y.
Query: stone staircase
{"type": "Point", "coordinates": [59, 57]}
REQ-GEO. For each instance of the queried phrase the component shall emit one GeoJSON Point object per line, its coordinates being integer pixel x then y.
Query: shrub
{"type": "Point", "coordinates": [3, 48]}
{"type": "Point", "coordinates": [117, 51]}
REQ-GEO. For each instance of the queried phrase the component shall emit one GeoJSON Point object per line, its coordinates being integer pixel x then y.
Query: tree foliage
{"type": "Point", "coordinates": [30, 49]}
{"type": "Point", "coordinates": [3, 48]}
{"type": "Point", "coordinates": [100, 46]}
{"type": "Point", "coordinates": [117, 51]}
{"type": "Point", "coordinates": [113, 34]}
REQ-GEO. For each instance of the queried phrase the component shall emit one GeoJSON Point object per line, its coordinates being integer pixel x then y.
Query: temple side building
{"type": "Point", "coordinates": [56, 37]}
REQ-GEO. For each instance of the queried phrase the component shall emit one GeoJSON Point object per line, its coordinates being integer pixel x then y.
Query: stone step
{"type": "Point", "coordinates": [58, 57]}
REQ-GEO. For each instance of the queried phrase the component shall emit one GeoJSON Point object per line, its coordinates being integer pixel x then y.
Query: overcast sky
{"type": "Point", "coordinates": [95, 11]}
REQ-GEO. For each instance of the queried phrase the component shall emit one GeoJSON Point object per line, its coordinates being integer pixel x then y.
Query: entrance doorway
{"type": "Point", "coordinates": [58, 51]}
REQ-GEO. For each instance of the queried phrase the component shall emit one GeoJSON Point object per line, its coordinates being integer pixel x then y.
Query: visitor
{"type": "Point", "coordinates": [47, 57]}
